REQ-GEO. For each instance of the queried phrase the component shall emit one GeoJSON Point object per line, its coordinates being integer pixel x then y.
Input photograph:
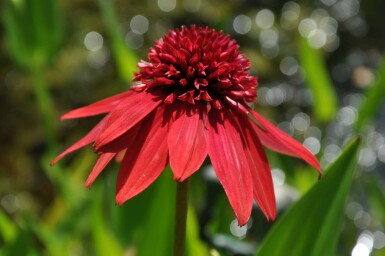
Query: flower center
{"type": "Point", "coordinates": [197, 64]}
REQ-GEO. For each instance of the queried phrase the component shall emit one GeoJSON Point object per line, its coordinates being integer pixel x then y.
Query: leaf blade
{"type": "Point", "coordinates": [318, 81]}
{"type": "Point", "coordinates": [317, 214]}
{"type": "Point", "coordinates": [374, 97]}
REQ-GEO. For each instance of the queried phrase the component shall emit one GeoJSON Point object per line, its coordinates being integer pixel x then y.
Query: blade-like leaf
{"type": "Point", "coordinates": [34, 31]}
{"type": "Point", "coordinates": [22, 244]}
{"type": "Point", "coordinates": [318, 81]}
{"type": "Point", "coordinates": [8, 230]}
{"type": "Point", "coordinates": [124, 57]}
{"type": "Point", "coordinates": [375, 96]}
{"type": "Point", "coordinates": [376, 198]}
{"type": "Point", "coordinates": [104, 240]}
{"type": "Point", "coordinates": [310, 227]}
{"type": "Point", "coordinates": [158, 232]}
{"type": "Point", "coordinates": [195, 246]}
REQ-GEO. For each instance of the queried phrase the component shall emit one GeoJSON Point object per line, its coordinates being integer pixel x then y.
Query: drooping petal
{"type": "Point", "coordinates": [102, 162]}
{"type": "Point", "coordinates": [275, 139]}
{"type": "Point", "coordinates": [144, 160]}
{"type": "Point", "coordinates": [124, 141]}
{"type": "Point", "coordinates": [263, 189]}
{"type": "Point", "coordinates": [88, 139]}
{"type": "Point", "coordinates": [229, 161]}
{"type": "Point", "coordinates": [127, 114]}
{"type": "Point", "coordinates": [187, 142]}
{"type": "Point", "coordinates": [97, 108]}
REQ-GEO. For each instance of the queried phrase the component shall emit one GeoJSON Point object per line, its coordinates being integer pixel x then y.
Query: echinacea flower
{"type": "Point", "coordinates": [190, 101]}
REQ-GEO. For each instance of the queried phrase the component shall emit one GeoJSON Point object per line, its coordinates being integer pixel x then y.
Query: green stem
{"type": "Point", "coordinates": [181, 218]}
{"type": "Point", "coordinates": [46, 107]}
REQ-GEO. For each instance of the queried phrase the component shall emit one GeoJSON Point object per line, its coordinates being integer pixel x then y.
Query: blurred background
{"type": "Point", "coordinates": [321, 74]}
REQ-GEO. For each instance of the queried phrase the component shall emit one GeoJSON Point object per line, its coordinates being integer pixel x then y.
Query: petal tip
{"type": "Point", "coordinates": [64, 117]}
{"type": "Point", "coordinates": [242, 222]}
{"type": "Point", "coordinates": [272, 217]}
{"type": "Point", "coordinates": [87, 185]}
{"type": "Point", "coordinates": [120, 200]}
{"type": "Point", "coordinates": [54, 161]}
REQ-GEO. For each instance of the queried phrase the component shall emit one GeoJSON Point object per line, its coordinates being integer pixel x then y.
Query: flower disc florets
{"type": "Point", "coordinates": [197, 64]}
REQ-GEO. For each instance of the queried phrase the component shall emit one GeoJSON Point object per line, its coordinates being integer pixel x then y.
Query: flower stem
{"type": "Point", "coordinates": [181, 217]}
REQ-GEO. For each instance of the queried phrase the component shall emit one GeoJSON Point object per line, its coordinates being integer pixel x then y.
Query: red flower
{"type": "Point", "coordinates": [190, 100]}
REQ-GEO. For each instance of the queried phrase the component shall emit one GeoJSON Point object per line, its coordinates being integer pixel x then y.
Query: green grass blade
{"type": "Point", "coordinates": [193, 243]}
{"type": "Point", "coordinates": [311, 226]}
{"type": "Point", "coordinates": [104, 240]}
{"type": "Point", "coordinates": [8, 230]}
{"type": "Point", "coordinates": [318, 80]}
{"type": "Point", "coordinates": [125, 59]}
{"type": "Point", "coordinates": [158, 232]}
{"type": "Point", "coordinates": [33, 31]}
{"type": "Point", "coordinates": [375, 96]}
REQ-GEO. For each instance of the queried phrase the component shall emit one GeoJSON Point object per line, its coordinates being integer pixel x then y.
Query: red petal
{"type": "Point", "coordinates": [187, 142]}
{"type": "Point", "coordinates": [99, 107]}
{"type": "Point", "coordinates": [124, 141]}
{"type": "Point", "coordinates": [275, 139]}
{"type": "Point", "coordinates": [128, 113]}
{"type": "Point", "coordinates": [144, 162]}
{"type": "Point", "coordinates": [263, 189]}
{"type": "Point", "coordinates": [229, 161]}
{"type": "Point", "coordinates": [102, 162]}
{"type": "Point", "coordinates": [88, 139]}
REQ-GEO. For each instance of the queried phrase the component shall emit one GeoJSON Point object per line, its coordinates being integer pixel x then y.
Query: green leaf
{"type": "Point", "coordinates": [376, 198]}
{"type": "Point", "coordinates": [375, 96]}
{"type": "Point", "coordinates": [104, 241]}
{"type": "Point", "coordinates": [125, 58]}
{"type": "Point", "coordinates": [195, 246]}
{"type": "Point", "coordinates": [318, 80]}
{"type": "Point", "coordinates": [8, 230]}
{"type": "Point", "coordinates": [158, 232]}
{"type": "Point", "coordinates": [22, 244]}
{"type": "Point", "coordinates": [310, 227]}
{"type": "Point", "coordinates": [33, 30]}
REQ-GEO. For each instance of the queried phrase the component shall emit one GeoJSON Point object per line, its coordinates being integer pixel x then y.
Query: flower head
{"type": "Point", "coordinates": [190, 101]}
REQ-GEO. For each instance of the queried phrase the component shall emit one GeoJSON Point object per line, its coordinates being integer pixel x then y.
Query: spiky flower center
{"type": "Point", "coordinates": [197, 64]}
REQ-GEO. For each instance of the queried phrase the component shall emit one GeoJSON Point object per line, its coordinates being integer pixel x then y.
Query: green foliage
{"type": "Point", "coordinates": [8, 229]}
{"type": "Point", "coordinates": [375, 97]}
{"type": "Point", "coordinates": [160, 216]}
{"type": "Point", "coordinates": [310, 227]}
{"type": "Point", "coordinates": [104, 240]}
{"type": "Point", "coordinates": [318, 80]}
{"type": "Point", "coordinates": [34, 31]}
{"type": "Point", "coordinates": [125, 58]}
{"type": "Point", "coordinates": [194, 244]}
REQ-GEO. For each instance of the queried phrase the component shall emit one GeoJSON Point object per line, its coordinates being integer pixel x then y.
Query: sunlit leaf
{"type": "Point", "coordinates": [376, 198]}
{"type": "Point", "coordinates": [376, 202]}
{"type": "Point", "coordinates": [125, 58]}
{"type": "Point", "coordinates": [130, 215]}
{"type": "Point", "coordinates": [194, 244]}
{"type": "Point", "coordinates": [33, 31]}
{"type": "Point", "coordinates": [104, 241]}
{"type": "Point", "coordinates": [318, 80]}
{"type": "Point", "coordinates": [311, 226]}
{"type": "Point", "coordinates": [158, 232]}
{"type": "Point", "coordinates": [22, 244]}
{"type": "Point", "coordinates": [375, 97]}
{"type": "Point", "coordinates": [8, 229]}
